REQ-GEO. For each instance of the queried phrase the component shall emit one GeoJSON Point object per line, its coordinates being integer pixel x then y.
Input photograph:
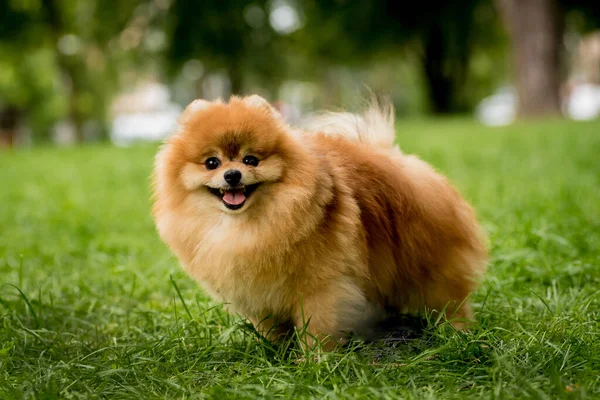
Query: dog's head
{"type": "Point", "coordinates": [227, 155]}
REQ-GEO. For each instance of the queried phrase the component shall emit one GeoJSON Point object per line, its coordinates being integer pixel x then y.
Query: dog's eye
{"type": "Point", "coordinates": [250, 160]}
{"type": "Point", "coordinates": [212, 163]}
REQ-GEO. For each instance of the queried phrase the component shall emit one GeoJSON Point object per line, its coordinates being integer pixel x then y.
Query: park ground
{"type": "Point", "coordinates": [93, 305]}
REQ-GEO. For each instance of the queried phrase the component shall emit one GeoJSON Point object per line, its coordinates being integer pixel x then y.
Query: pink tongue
{"type": "Point", "coordinates": [234, 198]}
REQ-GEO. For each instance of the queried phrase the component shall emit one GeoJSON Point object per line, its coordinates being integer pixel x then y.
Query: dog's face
{"type": "Point", "coordinates": [227, 156]}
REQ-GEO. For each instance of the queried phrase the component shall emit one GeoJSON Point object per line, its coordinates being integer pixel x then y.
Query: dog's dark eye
{"type": "Point", "coordinates": [250, 160]}
{"type": "Point", "coordinates": [212, 163]}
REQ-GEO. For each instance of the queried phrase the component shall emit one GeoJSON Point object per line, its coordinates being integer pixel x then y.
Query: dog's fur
{"type": "Point", "coordinates": [342, 230]}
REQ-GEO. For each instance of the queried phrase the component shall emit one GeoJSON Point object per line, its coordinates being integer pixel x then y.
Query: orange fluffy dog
{"type": "Point", "coordinates": [329, 227]}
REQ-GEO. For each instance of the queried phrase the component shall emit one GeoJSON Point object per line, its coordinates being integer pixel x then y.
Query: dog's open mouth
{"type": "Point", "coordinates": [234, 198]}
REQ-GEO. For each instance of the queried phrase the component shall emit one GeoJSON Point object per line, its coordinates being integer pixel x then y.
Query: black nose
{"type": "Point", "coordinates": [233, 177]}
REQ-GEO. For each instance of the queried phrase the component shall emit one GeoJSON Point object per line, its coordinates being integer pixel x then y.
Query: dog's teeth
{"type": "Point", "coordinates": [222, 191]}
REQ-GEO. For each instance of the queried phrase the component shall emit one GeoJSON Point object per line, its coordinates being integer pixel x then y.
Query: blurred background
{"type": "Point", "coordinates": [74, 71]}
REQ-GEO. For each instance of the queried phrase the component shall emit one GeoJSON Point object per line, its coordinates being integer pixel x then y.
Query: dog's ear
{"type": "Point", "coordinates": [198, 104]}
{"type": "Point", "coordinates": [192, 108]}
{"type": "Point", "coordinates": [259, 102]}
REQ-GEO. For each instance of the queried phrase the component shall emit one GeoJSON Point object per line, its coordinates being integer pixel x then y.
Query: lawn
{"type": "Point", "coordinates": [93, 305]}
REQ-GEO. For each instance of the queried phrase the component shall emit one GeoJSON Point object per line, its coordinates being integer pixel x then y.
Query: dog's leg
{"type": "Point", "coordinates": [330, 314]}
{"type": "Point", "coordinates": [271, 328]}
{"type": "Point", "coordinates": [451, 298]}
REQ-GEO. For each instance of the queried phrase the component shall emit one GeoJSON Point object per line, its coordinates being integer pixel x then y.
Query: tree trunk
{"type": "Point", "coordinates": [68, 65]}
{"type": "Point", "coordinates": [439, 84]}
{"type": "Point", "coordinates": [9, 122]}
{"type": "Point", "coordinates": [535, 28]}
{"type": "Point", "coordinates": [74, 97]}
{"type": "Point", "coordinates": [445, 63]}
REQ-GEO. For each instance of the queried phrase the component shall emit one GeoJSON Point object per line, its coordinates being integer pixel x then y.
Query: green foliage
{"type": "Point", "coordinates": [233, 35]}
{"type": "Point", "coordinates": [27, 78]}
{"type": "Point", "coordinates": [455, 44]}
{"type": "Point", "coordinates": [584, 14]}
{"type": "Point", "coordinates": [92, 304]}
{"type": "Point", "coordinates": [61, 59]}
{"type": "Point", "coordinates": [66, 60]}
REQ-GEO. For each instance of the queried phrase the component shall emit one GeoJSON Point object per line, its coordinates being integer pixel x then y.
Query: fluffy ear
{"type": "Point", "coordinates": [258, 102]}
{"type": "Point", "coordinates": [192, 108]}
{"type": "Point", "coordinates": [198, 104]}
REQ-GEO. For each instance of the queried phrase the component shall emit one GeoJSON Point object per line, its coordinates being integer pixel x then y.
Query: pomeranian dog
{"type": "Point", "coordinates": [328, 228]}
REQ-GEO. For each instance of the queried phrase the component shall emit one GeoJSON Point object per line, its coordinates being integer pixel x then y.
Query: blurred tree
{"type": "Point", "coordinates": [230, 35]}
{"type": "Point", "coordinates": [16, 28]}
{"type": "Point", "coordinates": [27, 91]}
{"type": "Point", "coordinates": [582, 15]}
{"type": "Point", "coordinates": [443, 37]}
{"type": "Point", "coordinates": [93, 41]}
{"type": "Point", "coordinates": [535, 28]}
{"type": "Point", "coordinates": [63, 59]}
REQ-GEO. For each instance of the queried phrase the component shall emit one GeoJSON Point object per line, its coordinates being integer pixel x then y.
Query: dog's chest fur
{"type": "Point", "coordinates": [252, 286]}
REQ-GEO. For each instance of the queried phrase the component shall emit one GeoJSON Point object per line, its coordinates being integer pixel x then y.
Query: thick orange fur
{"type": "Point", "coordinates": [343, 228]}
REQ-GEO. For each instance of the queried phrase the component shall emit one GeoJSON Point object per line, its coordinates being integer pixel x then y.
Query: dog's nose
{"type": "Point", "coordinates": [233, 177]}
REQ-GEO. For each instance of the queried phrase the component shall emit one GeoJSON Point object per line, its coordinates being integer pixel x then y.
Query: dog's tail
{"type": "Point", "coordinates": [375, 126]}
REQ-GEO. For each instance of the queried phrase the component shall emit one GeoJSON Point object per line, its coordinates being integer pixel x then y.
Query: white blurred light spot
{"type": "Point", "coordinates": [498, 109]}
{"type": "Point", "coordinates": [147, 114]}
{"type": "Point", "coordinates": [193, 70]}
{"type": "Point", "coordinates": [584, 102]}
{"type": "Point", "coordinates": [156, 41]}
{"type": "Point", "coordinates": [69, 44]}
{"type": "Point", "coordinates": [284, 18]}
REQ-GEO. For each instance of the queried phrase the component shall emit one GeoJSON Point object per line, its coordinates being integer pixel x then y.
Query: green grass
{"type": "Point", "coordinates": [92, 304]}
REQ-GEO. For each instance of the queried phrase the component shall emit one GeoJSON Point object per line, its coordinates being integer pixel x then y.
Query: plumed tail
{"type": "Point", "coordinates": [374, 126]}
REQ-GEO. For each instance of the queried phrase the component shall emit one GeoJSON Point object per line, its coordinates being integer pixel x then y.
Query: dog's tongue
{"type": "Point", "coordinates": [234, 198]}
